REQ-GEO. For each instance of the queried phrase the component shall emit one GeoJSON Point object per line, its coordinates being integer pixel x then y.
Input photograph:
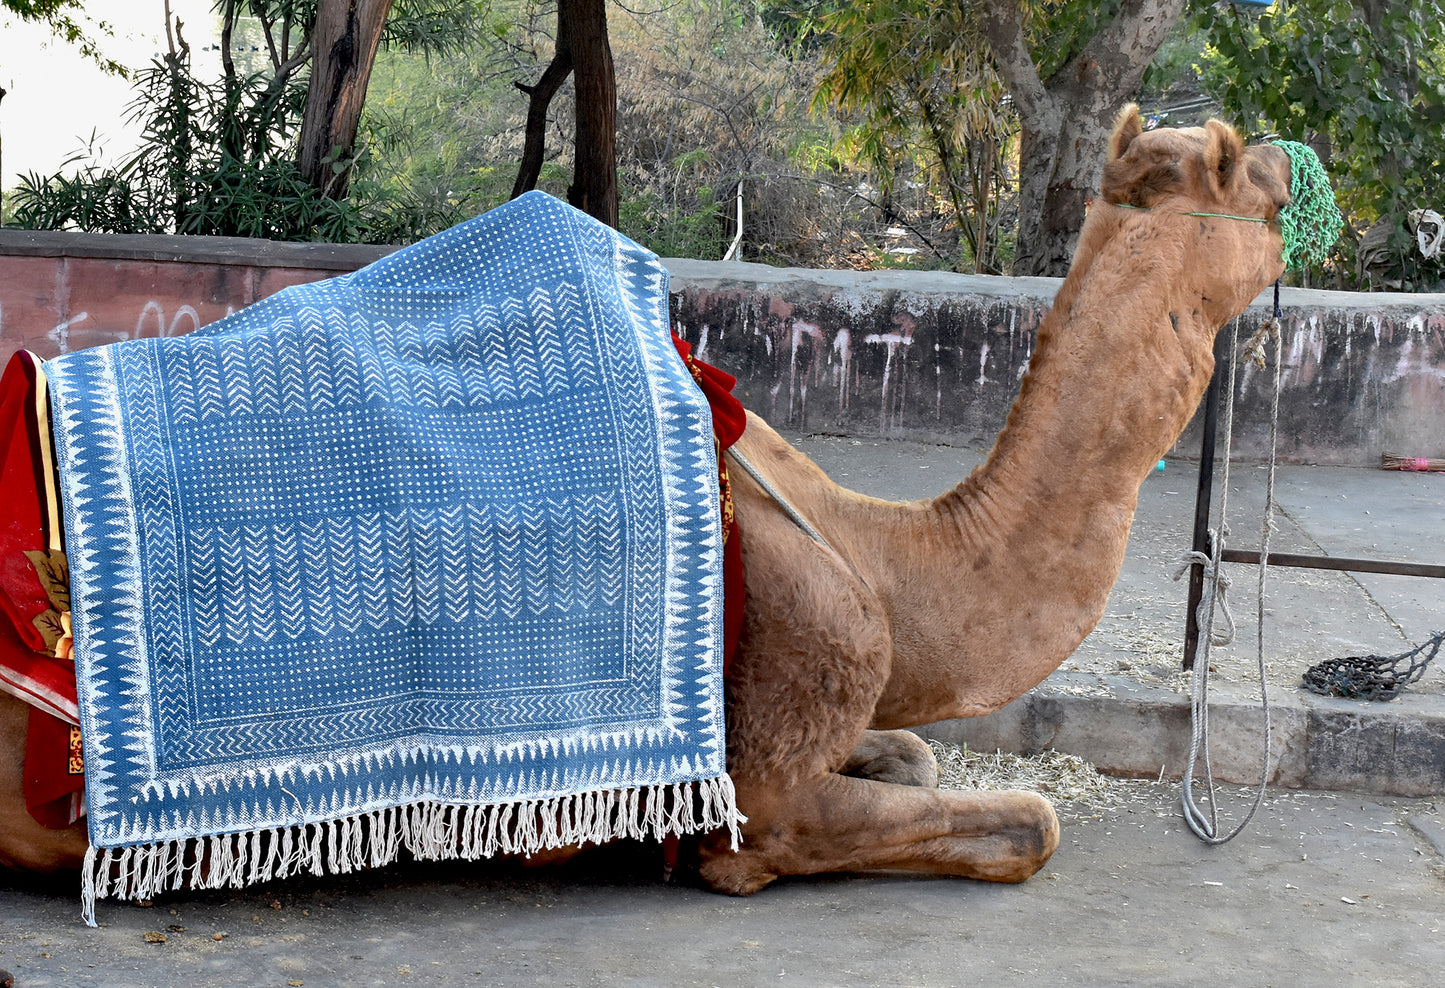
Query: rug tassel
{"type": "Point", "coordinates": [88, 882]}
{"type": "Point", "coordinates": [428, 830]}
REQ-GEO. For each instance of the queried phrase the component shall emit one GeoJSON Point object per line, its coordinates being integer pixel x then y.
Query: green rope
{"type": "Point", "coordinates": [1222, 216]}
{"type": "Point", "coordinates": [1311, 223]}
{"type": "Point", "coordinates": [1231, 216]}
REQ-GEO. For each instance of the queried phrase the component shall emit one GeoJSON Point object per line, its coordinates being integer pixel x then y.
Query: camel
{"type": "Point", "coordinates": [953, 606]}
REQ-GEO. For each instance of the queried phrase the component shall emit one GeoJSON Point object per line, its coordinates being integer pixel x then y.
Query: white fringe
{"type": "Point", "coordinates": [429, 831]}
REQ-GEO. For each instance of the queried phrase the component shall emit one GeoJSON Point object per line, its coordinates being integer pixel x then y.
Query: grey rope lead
{"type": "Point", "coordinates": [1206, 827]}
{"type": "Point", "coordinates": [792, 513]}
{"type": "Point", "coordinates": [778, 498]}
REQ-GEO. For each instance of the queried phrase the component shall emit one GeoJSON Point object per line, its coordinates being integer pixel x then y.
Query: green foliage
{"type": "Point", "coordinates": [796, 25]}
{"type": "Point", "coordinates": [65, 19]}
{"type": "Point", "coordinates": [668, 232]}
{"type": "Point", "coordinates": [435, 27]}
{"type": "Point", "coordinates": [1173, 76]}
{"type": "Point", "coordinates": [218, 158]}
{"type": "Point", "coordinates": [214, 159]}
{"type": "Point", "coordinates": [705, 99]}
{"type": "Point", "coordinates": [916, 76]}
{"type": "Point", "coordinates": [1058, 29]}
{"type": "Point", "coordinates": [1364, 83]}
{"type": "Point", "coordinates": [708, 99]}
{"type": "Point", "coordinates": [438, 123]}
{"type": "Point", "coordinates": [908, 162]}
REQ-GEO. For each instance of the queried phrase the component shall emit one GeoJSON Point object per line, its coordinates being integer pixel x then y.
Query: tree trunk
{"type": "Point", "coordinates": [583, 51]}
{"type": "Point", "coordinates": [345, 40]}
{"type": "Point", "coordinates": [1066, 119]}
{"type": "Point", "coordinates": [539, 98]}
{"type": "Point", "coordinates": [594, 170]}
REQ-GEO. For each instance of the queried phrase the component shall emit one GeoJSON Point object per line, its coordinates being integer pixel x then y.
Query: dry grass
{"type": "Point", "coordinates": [1061, 778]}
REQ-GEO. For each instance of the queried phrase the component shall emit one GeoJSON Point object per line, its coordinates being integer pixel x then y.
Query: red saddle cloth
{"type": "Point", "coordinates": [728, 422]}
{"type": "Point", "coordinates": [35, 660]}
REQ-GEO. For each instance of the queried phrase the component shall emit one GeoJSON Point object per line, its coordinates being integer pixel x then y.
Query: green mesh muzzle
{"type": "Point", "coordinates": [1311, 223]}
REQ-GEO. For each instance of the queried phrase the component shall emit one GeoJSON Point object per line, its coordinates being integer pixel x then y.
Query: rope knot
{"type": "Point", "coordinates": [1254, 350]}
{"type": "Point", "coordinates": [1216, 584]}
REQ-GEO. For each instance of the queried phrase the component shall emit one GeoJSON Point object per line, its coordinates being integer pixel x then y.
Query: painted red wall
{"type": "Point", "coordinates": [61, 292]}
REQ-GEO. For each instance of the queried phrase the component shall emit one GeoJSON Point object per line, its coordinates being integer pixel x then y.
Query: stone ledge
{"type": "Point", "coordinates": [1130, 729]}
{"type": "Point", "coordinates": [337, 258]}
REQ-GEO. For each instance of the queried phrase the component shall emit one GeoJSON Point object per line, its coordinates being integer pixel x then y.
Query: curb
{"type": "Point", "coordinates": [1127, 728]}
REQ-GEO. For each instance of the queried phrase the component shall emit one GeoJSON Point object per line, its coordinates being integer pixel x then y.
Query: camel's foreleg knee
{"type": "Point", "coordinates": [900, 757]}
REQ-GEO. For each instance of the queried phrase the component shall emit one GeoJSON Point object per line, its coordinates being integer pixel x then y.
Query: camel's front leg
{"type": "Point", "coordinates": [843, 824]}
{"type": "Point", "coordinates": [901, 757]}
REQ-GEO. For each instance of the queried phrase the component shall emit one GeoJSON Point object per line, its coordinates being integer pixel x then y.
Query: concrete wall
{"type": "Point", "coordinates": [939, 356]}
{"type": "Point", "coordinates": [917, 355]}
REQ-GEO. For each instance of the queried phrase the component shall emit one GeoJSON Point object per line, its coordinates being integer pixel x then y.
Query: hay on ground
{"type": "Point", "coordinates": [1059, 777]}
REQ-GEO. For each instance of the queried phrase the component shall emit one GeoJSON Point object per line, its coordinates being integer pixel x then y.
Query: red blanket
{"type": "Point", "coordinates": [35, 663]}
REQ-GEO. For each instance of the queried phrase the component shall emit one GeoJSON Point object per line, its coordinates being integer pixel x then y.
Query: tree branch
{"type": "Point", "coordinates": [534, 146]}
{"type": "Point", "coordinates": [1139, 25]}
{"type": "Point", "coordinates": [1002, 24]}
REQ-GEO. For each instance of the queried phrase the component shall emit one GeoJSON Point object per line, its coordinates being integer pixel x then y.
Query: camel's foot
{"type": "Point", "coordinates": [900, 757]}
{"type": "Point", "coordinates": [843, 824]}
{"type": "Point", "coordinates": [740, 872]}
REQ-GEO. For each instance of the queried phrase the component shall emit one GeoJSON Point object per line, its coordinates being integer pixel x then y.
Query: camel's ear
{"type": "Point", "coordinates": [1223, 153]}
{"type": "Point", "coordinates": [1126, 128]}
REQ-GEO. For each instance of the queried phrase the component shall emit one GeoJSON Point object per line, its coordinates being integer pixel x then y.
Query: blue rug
{"type": "Point", "coordinates": [426, 556]}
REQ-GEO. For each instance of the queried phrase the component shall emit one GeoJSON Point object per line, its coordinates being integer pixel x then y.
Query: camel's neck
{"type": "Point", "coordinates": [1036, 536]}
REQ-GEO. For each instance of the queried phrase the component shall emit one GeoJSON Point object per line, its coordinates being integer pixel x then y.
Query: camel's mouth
{"type": "Point", "coordinates": [1311, 222]}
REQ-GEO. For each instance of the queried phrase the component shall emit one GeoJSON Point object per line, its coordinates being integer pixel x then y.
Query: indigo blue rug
{"type": "Point", "coordinates": [426, 556]}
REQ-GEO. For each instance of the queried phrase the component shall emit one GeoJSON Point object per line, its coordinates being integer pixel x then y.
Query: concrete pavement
{"type": "Point", "coordinates": [1323, 889]}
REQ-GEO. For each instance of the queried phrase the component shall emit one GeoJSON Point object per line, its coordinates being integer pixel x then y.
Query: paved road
{"type": "Point", "coordinates": [1323, 890]}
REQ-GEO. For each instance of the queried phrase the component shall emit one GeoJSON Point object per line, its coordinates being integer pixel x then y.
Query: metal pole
{"type": "Point", "coordinates": [1339, 563]}
{"type": "Point", "coordinates": [1204, 495]}
{"type": "Point", "coordinates": [733, 252]}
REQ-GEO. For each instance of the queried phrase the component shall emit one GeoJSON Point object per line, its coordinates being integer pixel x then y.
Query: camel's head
{"type": "Point", "coordinates": [1205, 170]}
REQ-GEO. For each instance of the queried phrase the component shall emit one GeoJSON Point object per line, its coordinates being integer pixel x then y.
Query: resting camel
{"type": "Point", "coordinates": [954, 606]}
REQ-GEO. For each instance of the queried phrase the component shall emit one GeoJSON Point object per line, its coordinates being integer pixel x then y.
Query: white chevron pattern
{"type": "Point", "coordinates": [317, 488]}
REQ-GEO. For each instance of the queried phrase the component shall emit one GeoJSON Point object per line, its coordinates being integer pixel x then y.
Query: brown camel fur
{"type": "Point", "coordinates": [954, 606]}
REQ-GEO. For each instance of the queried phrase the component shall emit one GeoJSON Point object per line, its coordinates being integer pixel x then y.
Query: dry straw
{"type": "Point", "coordinates": [1060, 777]}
